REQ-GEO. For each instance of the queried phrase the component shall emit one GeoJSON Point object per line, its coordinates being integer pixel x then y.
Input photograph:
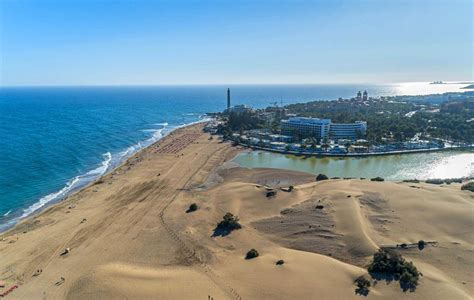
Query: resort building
{"type": "Point", "coordinates": [306, 127]}
{"type": "Point", "coordinates": [322, 128]}
{"type": "Point", "coordinates": [347, 131]}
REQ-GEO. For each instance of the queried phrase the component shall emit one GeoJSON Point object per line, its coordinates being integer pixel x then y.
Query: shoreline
{"type": "Point", "coordinates": [11, 223]}
{"type": "Point", "coordinates": [117, 224]}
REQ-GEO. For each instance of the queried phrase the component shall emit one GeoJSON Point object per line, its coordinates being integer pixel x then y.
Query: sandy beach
{"type": "Point", "coordinates": [129, 236]}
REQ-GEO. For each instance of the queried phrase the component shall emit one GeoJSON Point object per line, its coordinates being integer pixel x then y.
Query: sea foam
{"type": "Point", "coordinates": [75, 183]}
{"type": "Point", "coordinates": [157, 135]}
{"type": "Point", "coordinates": [110, 161]}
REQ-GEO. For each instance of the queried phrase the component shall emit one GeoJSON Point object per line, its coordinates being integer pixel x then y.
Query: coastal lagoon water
{"type": "Point", "coordinates": [53, 140]}
{"type": "Point", "coordinates": [446, 164]}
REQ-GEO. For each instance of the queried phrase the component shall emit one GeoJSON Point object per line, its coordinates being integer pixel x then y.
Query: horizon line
{"type": "Point", "coordinates": [223, 84]}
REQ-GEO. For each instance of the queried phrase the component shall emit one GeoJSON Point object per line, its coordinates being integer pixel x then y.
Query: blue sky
{"type": "Point", "coordinates": [103, 42]}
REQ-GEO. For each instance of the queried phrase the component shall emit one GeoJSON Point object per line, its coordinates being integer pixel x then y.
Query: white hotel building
{"type": "Point", "coordinates": [322, 128]}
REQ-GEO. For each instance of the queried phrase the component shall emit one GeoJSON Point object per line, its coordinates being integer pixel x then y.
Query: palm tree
{"type": "Point", "coordinates": [325, 144]}
{"type": "Point", "coordinates": [313, 143]}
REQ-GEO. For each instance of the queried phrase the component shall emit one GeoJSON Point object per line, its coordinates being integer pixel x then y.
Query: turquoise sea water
{"type": "Point", "coordinates": [54, 140]}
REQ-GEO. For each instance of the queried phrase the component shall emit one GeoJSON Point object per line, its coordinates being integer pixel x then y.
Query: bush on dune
{"type": "Point", "coordinates": [421, 244]}
{"type": "Point", "coordinates": [229, 222]}
{"type": "Point", "coordinates": [321, 177]}
{"type": "Point", "coordinates": [251, 254]}
{"type": "Point", "coordinates": [271, 194]}
{"type": "Point", "coordinates": [192, 207]}
{"type": "Point", "coordinates": [391, 265]}
{"type": "Point", "coordinates": [468, 186]}
{"type": "Point", "coordinates": [363, 285]}
{"type": "Point", "coordinates": [377, 179]}
{"type": "Point", "coordinates": [434, 181]}
{"type": "Point", "coordinates": [227, 225]}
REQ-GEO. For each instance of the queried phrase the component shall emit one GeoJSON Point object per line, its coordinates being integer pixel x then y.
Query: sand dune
{"type": "Point", "coordinates": [130, 235]}
{"type": "Point", "coordinates": [357, 217]}
{"type": "Point", "coordinates": [119, 281]}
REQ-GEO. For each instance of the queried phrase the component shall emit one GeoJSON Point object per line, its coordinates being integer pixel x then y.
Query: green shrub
{"type": "Point", "coordinates": [434, 181]}
{"type": "Point", "coordinates": [409, 275]}
{"type": "Point", "coordinates": [229, 223]}
{"type": "Point", "coordinates": [421, 244]}
{"type": "Point", "coordinates": [453, 180]}
{"type": "Point", "coordinates": [363, 285]}
{"type": "Point", "coordinates": [251, 254]}
{"type": "Point", "coordinates": [377, 179]}
{"type": "Point", "coordinates": [393, 265]}
{"type": "Point", "coordinates": [407, 279]}
{"type": "Point", "coordinates": [362, 282]}
{"type": "Point", "coordinates": [468, 186]}
{"type": "Point", "coordinates": [321, 177]}
{"type": "Point", "coordinates": [271, 194]}
{"type": "Point", "coordinates": [411, 180]}
{"type": "Point", "coordinates": [192, 207]}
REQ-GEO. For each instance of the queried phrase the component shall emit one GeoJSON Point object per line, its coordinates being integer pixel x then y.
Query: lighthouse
{"type": "Point", "coordinates": [228, 98]}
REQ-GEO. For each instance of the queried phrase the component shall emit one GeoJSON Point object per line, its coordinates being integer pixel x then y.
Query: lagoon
{"type": "Point", "coordinates": [446, 164]}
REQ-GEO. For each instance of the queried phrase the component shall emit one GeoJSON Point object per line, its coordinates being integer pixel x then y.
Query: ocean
{"type": "Point", "coordinates": [54, 140]}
